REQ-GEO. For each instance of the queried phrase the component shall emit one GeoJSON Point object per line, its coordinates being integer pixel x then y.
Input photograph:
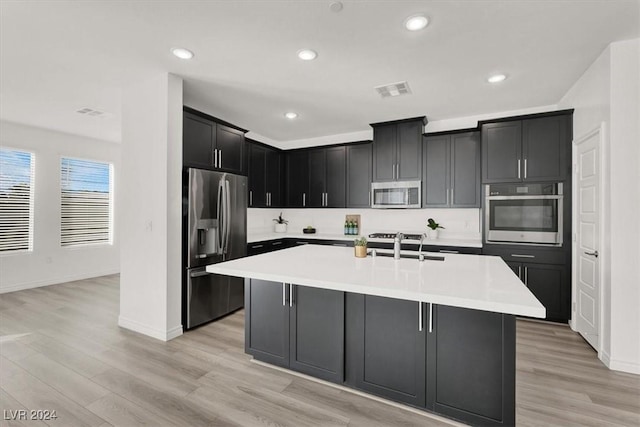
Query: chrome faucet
{"type": "Point", "coordinates": [397, 243]}
{"type": "Point", "coordinates": [420, 255]}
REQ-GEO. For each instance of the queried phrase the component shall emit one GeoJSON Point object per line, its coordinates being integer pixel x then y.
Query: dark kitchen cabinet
{"type": "Point", "coordinates": [265, 184]}
{"type": "Point", "coordinates": [546, 272]}
{"type": "Point", "coordinates": [256, 248]}
{"type": "Point", "coordinates": [397, 150]}
{"type": "Point", "coordinates": [209, 144]}
{"type": "Point", "coordinates": [471, 365]}
{"type": "Point", "coordinates": [359, 175]}
{"type": "Point", "coordinates": [451, 170]}
{"type": "Point", "coordinates": [302, 330]}
{"type": "Point", "coordinates": [532, 149]}
{"type": "Point", "coordinates": [386, 348]}
{"type": "Point", "coordinates": [297, 178]}
{"type": "Point", "coordinates": [327, 176]}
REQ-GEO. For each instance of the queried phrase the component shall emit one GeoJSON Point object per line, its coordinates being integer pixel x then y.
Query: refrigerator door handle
{"type": "Point", "coordinates": [227, 215]}
{"type": "Point", "coordinates": [219, 214]}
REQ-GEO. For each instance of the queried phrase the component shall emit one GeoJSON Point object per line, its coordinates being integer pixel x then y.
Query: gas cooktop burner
{"type": "Point", "coordinates": [393, 235]}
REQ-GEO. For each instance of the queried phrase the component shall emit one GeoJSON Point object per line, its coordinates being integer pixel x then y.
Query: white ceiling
{"type": "Point", "coordinates": [60, 56]}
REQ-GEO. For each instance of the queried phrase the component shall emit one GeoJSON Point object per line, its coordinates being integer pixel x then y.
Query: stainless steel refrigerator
{"type": "Point", "coordinates": [215, 230]}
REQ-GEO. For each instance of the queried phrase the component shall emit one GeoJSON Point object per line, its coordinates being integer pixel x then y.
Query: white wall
{"type": "Point", "coordinates": [150, 207]}
{"type": "Point", "coordinates": [458, 223]}
{"type": "Point", "coordinates": [49, 263]}
{"type": "Point", "coordinates": [609, 92]}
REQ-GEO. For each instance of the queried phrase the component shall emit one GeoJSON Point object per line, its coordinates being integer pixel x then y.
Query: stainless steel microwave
{"type": "Point", "coordinates": [396, 194]}
{"type": "Point", "coordinates": [524, 213]}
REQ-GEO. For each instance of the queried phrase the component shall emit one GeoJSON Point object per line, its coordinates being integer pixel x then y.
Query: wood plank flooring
{"type": "Point", "coordinates": [61, 349]}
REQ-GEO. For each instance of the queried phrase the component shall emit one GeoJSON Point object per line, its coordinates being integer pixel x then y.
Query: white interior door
{"type": "Point", "coordinates": [587, 272]}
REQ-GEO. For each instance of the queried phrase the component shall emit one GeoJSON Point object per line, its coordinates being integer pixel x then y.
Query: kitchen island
{"type": "Point", "coordinates": [438, 334]}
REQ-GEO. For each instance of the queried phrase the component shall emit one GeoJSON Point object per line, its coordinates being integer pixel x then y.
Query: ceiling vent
{"type": "Point", "coordinates": [393, 89]}
{"type": "Point", "coordinates": [90, 112]}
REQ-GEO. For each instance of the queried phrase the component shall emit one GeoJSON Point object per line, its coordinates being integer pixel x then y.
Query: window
{"type": "Point", "coordinates": [16, 200]}
{"type": "Point", "coordinates": [86, 214]}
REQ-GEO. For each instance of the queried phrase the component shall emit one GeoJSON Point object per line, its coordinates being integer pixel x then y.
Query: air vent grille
{"type": "Point", "coordinates": [90, 112]}
{"type": "Point", "coordinates": [393, 89]}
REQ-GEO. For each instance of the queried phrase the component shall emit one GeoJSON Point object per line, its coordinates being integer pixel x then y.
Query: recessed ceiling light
{"type": "Point", "coordinates": [182, 53]}
{"type": "Point", "coordinates": [496, 78]}
{"type": "Point", "coordinates": [291, 115]}
{"type": "Point", "coordinates": [416, 22]}
{"type": "Point", "coordinates": [307, 54]}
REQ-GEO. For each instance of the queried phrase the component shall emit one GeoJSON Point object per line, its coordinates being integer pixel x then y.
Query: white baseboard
{"type": "Point", "coordinates": [159, 334]}
{"type": "Point", "coordinates": [56, 280]}
{"type": "Point", "coordinates": [624, 366]}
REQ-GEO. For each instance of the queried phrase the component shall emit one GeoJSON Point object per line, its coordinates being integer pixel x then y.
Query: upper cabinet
{"type": "Point", "coordinates": [451, 170]}
{"type": "Point", "coordinates": [265, 176]}
{"type": "Point", "coordinates": [397, 150]}
{"type": "Point", "coordinates": [534, 149]}
{"type": "Point", "coordinates": [297, 178]}
{"type": "Point", "coordinates": [327, 175]}
{"type": "Point", "coordinates": [359, 175]}
{"type": "Point", "coordinates": [209, 144]}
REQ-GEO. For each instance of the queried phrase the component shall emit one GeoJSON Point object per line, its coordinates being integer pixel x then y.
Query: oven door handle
{"type": "Point", "coordinates": [541, 197]}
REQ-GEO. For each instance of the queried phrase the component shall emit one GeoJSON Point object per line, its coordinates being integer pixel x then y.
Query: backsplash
{"type": "Point", "coordinates": [458, 223]}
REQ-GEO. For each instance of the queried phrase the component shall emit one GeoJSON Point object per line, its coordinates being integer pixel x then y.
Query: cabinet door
{"type": "Point", "coordinates": [384, 153]}
{"type": "Point", "coordinates": [359, 176]}
{"type": "Point", "coordinates": [389, 348]}
{"type": "Point", "coordinates": [465, 170]}
{"type": "Point", "coordinates": [409, 151]}
{"type": "Point", "coordinates": [317, 177]}
{"type": "Point", "coordinates": [317, 333]}
{"type": "Point", "coordinates": [230, 145]}
{"type": "Point", "coordinates": [501, 152]}
{"type": "Point", "coordinates": [550, 284]}
{"type": "Point", "coordinates": [516, 267]}
{"type": "Point", "coordinates": [436, 181]}
{"type": "Point", "coordinates": [297, 179]}
{"type": "Point", "coordinates": [471, 365]}
{"type": "Point", "coordinates": [335, 184]}
{"type": "Point", "coordinates": [197, 141]}
{"type": "Point", "coordinates": [267, 321]}
{"type": "Point", "coordinates": [257, 189]}
{"type": "Point", "coordinates": [545, 143]}
{"type": "Point", "coordinates": [273, 175]}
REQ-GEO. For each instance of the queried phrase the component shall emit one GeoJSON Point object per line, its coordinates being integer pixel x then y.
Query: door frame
{"type": "Point", "coordinates": [603, 255]}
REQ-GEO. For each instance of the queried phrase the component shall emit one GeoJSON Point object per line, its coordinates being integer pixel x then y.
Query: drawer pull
{"type": "Point", "coordinates": [257, 246]}
{"type": "Point", "coordinates": [276, 243]}
{"type": "Point", "coordinates": [449, 252]}
{"type": "Point", "coordinates": [339, 244]}
{"type": "Point", "coordinates": [522, 256]}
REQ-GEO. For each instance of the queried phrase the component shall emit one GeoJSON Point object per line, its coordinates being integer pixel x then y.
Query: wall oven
{"type": "Point", "coordinates": [396, 194]}
{"type": "Point", "coordinates": [524, 214]}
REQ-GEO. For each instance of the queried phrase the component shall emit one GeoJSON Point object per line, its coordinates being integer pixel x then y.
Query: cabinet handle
{"type": "Point", "coordinates": [397, 170]}
{"type": "Point", "coordinates": [526, 276]}
{"type": "Point", "coordinates": [304, 199]}
{"type": "Point", "coordinates": [370, 201]}
{"type": "Point", "coordinates": [284, 294]}
{"type": "Point", "coordinates": [250, 198]}
{"type": "Point", "coordinates": [419, 316]}
{"type": "Point", "coordinates": [339, 244]}
{"type": "Point", "coordinates": [525, 168]}
{"type": "Point", "coordinates": [290, 294]}
{"type": "Point", "coordinates": [444, 251]}
{"type": "Point", "coordinates": [276, 243]}
{"type": "Point", "coordinates": [256, 246]}
{"type": "Point", "coordinates": [520, 272]}
{"type": "Point", "coordinates": [215, 158]}
{"type": "Point", "coordinates": [393, 171]}
{"type": "Point", "coordinates": [453, 201]}
{"type": "Point", "coordinates": [219, 158]}
{"type": "Point", "coordinates": [447, 202]}
{"type": "Point", "coordinates": [522, 256]}
{"type": "Point", "coordinates": [268, 199]}
{"type": "Point", "coordinates": [430, 317]}
{"type": "Point", "coordinates": [326, 199]}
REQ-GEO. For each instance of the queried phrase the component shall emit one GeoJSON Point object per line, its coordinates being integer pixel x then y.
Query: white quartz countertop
{"type": "Point", "coordinates": [469, 281]}
{"type": "Point", "coordinates": [260, 237]}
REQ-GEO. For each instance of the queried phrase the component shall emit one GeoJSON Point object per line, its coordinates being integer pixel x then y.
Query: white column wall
{"type": "Point", "coordinates": [150, 206]}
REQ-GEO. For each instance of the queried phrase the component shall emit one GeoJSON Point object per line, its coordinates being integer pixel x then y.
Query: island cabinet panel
{"type": "Point", "coordinates": [317, 333]}
{"type": "Point", "coordinates": [388, 348]}
{"type": "Point", "coordinates": [359, 175]}
{"type": "Point", "coordinates": [267, 321]}
{"type": "Point", "coordinates": [471, 365]}
{"type": "Point", "coordinates": [303, 330]}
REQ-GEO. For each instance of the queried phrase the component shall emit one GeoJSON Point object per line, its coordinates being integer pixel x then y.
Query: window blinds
{"type": "Point", "coordinates": [86, 212]}
{"type": "Point", "coordinates": [16, 200]}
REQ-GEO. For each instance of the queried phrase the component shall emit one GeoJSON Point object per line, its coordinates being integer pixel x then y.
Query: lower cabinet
{"type": "Point", "coordinates": [296, 327]}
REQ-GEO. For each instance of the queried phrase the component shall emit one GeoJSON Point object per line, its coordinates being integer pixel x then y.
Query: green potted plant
{"type": "Point", "coordinates": [432, 229]}
{"type": "Point", "coordinates": [360, 247]}
{"type": "Point", "coordinates": [281, 224]}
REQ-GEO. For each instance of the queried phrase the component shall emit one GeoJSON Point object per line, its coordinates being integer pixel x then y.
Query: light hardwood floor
{"type": "Point", "coordinates": [61, 349]}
